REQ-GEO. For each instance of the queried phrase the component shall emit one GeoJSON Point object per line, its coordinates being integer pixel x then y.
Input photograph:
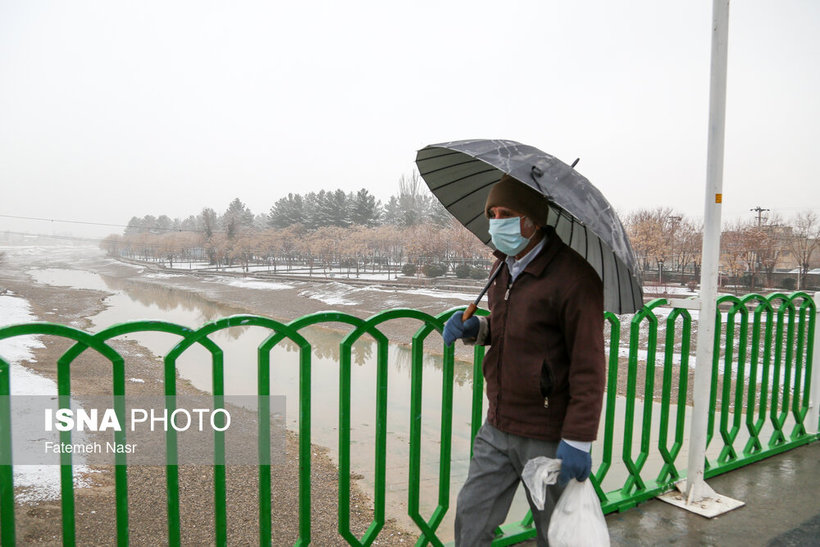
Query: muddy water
{"type": "Point", "coordinates": [128, 300]}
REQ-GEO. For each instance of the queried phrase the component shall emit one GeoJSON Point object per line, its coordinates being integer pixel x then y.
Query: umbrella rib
{"type": "Point", "coordinates": [440, 153]}
{"type": "Point", "coordinates": [465, 196]}
{"type": "Point", "coordinates": [437, 158]}
{"type": "Point", "coordinates": [618, 278]}
{"type": "Point", "coordinates": [481, 172]}
{"type": "Point", "coordinates": [603, 264]}
{"type": "Point", "coordinates": [586, 241]}
{"type": "Point", "coordinates": [475, 217]}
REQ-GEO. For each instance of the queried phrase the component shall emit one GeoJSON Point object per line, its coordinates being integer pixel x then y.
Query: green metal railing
{"type": "Point", "coordinates": [761, 377]}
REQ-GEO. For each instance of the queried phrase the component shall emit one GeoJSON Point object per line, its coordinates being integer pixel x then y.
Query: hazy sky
{"type": "Point", "coordinates": [112, 109]}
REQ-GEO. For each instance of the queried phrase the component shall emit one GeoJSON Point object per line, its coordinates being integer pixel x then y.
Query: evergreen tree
{"type": "Point", "coordinates": [260, 221]}
{"type": "Point", "coordinates": [237, 218]}
{"type": "Point", "coordinates": [164, 224]}
{"type": "Point", "coordinates": [189, 224]}
{"type": "Point", "coordinates": [336, 209]}
{"type": "Point", "coordinates": [134, 226]}
{"type": "Point", "coordinates": [393, 212]}
{"type": "Point", "coordinates": [287, 211]}
{"type": "Point", "coordinates": [411, 206]}
{"type": "Point", "coordinates": [149, 224]}
{"type": "Point", "coordinates": [207, 222]}
{"type": "Point", "coordinates": [364, 209]}
{"type": "Point", "coordinates": [313, 215]}
{"type": "Point", "coordinates": [437, 213]}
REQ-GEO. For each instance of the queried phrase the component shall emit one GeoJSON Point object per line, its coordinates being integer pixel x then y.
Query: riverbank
{"type": "Point", "coordinates": [38, 518]}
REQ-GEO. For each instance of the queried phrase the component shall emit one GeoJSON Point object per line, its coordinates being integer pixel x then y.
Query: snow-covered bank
{"type": "Point", "coordinates": [15, 310]}
{"type": "Point", "coordinates": [38, 482]}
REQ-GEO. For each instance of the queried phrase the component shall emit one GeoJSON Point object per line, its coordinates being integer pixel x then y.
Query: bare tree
{"type": "Point", "coordinates": [325, 243]}
{"type": "Point", "coordinates": [768, 241]}
{"type": "Point", "coordinates": [804, 241]}
{"type": "Point", "coordinates": [653, 236]}
{"type": "Point", "coordinates": [464, 246]}
{"type": "Point", "coordinates": [112, 244]}
{"type": "Point", "coordinates": [388, 244]}
{"type": "Point", "coordinates": [689, 237]}
{"type": "Point", "coordinates": [244, 247]}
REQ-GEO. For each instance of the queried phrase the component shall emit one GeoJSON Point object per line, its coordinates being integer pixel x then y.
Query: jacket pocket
{"type": "Point", "coordinates": [547, 382]}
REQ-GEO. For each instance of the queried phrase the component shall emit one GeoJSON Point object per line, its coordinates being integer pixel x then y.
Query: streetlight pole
{"type": "Point", "coordinates": [697, 495]}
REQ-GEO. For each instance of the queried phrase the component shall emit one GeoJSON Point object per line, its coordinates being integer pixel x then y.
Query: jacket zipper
{"type": "Point", "coordinates": [501, 347]}
{"type": "Point", "coordinates": [506, 299]}
{"type": "Point", "coordinates": [507, 294]}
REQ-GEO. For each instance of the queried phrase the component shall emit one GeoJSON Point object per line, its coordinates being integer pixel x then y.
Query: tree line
{"type": "Point", "coordinates": [317, 231]}
{"type": "Point", "coordinates": [751, 250]}
{"type": "Point", "coordinates": [325, 229]}
{"type": "Point", "coordinates": [411, 206]}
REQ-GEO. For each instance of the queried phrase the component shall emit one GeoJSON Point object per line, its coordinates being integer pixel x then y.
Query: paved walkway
{"type": "Point", "coordinates": [782, 497]}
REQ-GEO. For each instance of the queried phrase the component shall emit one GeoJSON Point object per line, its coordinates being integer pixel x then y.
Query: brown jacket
{"type": "Point", "coordinates": [552, 316]}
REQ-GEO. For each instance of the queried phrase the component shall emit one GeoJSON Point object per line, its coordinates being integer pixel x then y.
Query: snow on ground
{"type": "Point", "coordinates": [671, 290]}
{"type": "Point", "coordinates": [160, 275]}
{"type": "Point", "coordinates": [41, 482]}
{"type": "Point", "coordinates": [340, 294]}
{"type": "Point", "coordinates": [15, 310]}
{"type": "Point", "coordinates": [332, 294]}
{"type": "Point", "coordinates": [255, 284]}
{"type": "Point", "coordinates": [642, 354]}
{"type": "Point", "coordinates": [466, 298]}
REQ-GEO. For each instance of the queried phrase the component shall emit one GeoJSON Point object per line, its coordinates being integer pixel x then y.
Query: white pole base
{"type": "Point", "coordinates": [702, 500]}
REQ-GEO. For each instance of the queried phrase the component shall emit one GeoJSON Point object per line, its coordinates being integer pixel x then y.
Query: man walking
{"type": "Point", "coordinates": [544, 371]}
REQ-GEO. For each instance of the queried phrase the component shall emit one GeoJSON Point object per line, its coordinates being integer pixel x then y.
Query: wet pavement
{"type": "Point", "coordinates": [782, 508]}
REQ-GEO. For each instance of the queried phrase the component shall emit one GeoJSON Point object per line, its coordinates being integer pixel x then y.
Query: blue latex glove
{"type": "Point", "coordinates": [455, 328]}
{"type": "Point", "coordinates": [575, 464]}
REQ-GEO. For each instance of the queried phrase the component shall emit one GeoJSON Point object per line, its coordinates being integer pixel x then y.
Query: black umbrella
{"type": "Point", "coordinates": [461, 173]}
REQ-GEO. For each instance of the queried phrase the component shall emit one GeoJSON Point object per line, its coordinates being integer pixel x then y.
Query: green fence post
{"type": "Point", "coordinates": [6, 470]}
{"type": "Point", "coordinates": [813, 371]}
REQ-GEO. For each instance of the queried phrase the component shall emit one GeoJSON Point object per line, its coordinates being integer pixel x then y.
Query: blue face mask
{"type": "Point", "coordinates": [506, 235]}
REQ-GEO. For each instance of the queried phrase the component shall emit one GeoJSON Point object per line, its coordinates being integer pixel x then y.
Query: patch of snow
{"type": "Point", "coordinates": [623, 351]}
{"type": "Point", "coordinates": [448, 295]}
{"type": "Point", "coordinates": [258, 285]}
{"type": "Point", "coordinates": [127, 264]}
{"type": "Point", "coordinates": [15, 310]}
{"type": "Point", "coordinates": [434, 293]}
{"type": "Point", "coordinates": [332, 294]}
{"type": "Point", "coordinates": [38, 482]}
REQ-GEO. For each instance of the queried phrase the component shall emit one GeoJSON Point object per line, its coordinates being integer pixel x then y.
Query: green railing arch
{"type": "Point", "coordinates": [761, 380]}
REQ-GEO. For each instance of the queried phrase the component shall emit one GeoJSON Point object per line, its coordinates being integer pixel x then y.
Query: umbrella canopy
{"type": "Point", "coordinates": [461, 173]}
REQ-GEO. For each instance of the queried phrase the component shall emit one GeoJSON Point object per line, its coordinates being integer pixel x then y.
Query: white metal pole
{"type": "Point", "coordinates": [814, 398]}
{"type": "Point", "coordinates": [695, 485]}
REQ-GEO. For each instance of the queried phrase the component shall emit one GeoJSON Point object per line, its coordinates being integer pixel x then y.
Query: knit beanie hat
{"type": "Point", "coordinates": [513, 194]}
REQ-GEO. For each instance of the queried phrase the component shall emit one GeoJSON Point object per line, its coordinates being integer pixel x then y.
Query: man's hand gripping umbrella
{"type": "Point", "coordinates": [465, 325]}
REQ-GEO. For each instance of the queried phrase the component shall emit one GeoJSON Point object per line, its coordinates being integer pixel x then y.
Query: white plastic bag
{"type": "Point", "coordinates": [577, 519]}
{"type": "Point", "coordinates": [537, 474]}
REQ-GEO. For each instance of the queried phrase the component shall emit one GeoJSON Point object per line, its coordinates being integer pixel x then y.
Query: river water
{"type": "Point", "coordinates": [129, 301]}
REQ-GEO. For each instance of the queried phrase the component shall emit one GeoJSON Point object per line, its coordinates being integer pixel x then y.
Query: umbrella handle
{"type": "Point", "coordinates": [468, 313]}
{"type": "Point", "coordinates": [471, 309]}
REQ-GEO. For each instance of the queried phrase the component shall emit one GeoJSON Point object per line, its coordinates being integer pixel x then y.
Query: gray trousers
{"type": "Point", "coordinates": [495, 471]}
